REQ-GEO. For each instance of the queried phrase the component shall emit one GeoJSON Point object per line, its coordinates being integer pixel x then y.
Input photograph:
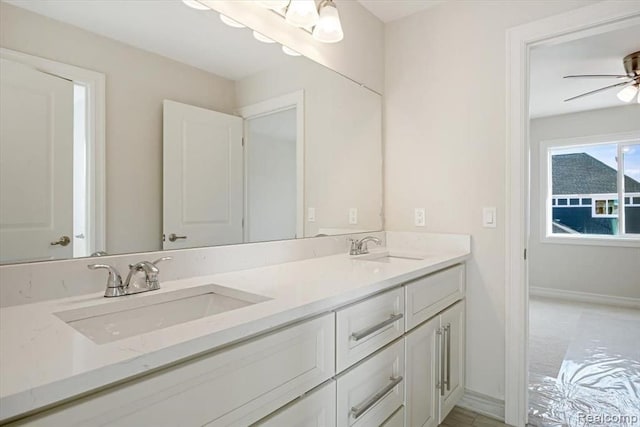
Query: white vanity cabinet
{"type": "Point", "coordinates": [393, 359]}
{"type": "Point", "coordinates": [435, 367]}
{"type": "Point", "coordinates": [236, 386]}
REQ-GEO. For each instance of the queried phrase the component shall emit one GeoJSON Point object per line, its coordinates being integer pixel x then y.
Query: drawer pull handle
{"type": "Point", "coordinates": [358, 410]}
{"type": "Point", "coordinates": [366, 332]}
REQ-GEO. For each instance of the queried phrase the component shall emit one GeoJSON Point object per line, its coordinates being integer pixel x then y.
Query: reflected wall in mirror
{"type": "Point", "coordinates": [147, 125]}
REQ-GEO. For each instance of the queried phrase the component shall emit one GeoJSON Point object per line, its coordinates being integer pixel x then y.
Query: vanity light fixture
{"type": "Point", "coordinates": [230, 22]}
{"type": "Point", "coordinates": [277, 5]}
{"type": "Point", "coordinates": [195, 4]}
{"type": "Point", "coordinates": [289, 51]}
{"type": "Point", "coordinates": [628, 93]}
{"type": "Point", "coordinates": [328, 29]}
{"type": "Point", "coordinates": [302, 13]}
{"type": "Point", "coordinates": [262, 38]}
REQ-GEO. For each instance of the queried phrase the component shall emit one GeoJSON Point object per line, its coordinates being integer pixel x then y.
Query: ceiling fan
{"type": "Point", "coordinates": [629, 85]}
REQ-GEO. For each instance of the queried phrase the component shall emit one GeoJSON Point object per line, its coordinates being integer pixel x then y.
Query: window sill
{"type": "Point", "coordinates": [593, 240]}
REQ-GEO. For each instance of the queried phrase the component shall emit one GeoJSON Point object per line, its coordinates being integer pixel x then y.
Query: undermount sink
{"type": "Point", "coordinates": [389, 257]}
{"type": "Point", "coordinates": [117, 320]}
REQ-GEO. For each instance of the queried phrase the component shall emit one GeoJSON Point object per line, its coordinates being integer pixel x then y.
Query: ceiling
{"type": "Point", "coordinates": [390, 10]}
{"type": "Point", "coordinates": [598, 54]}
{"type": "Point", "coordinates": [168, 28]}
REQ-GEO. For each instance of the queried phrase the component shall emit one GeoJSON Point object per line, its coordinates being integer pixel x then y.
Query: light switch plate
{"type": "Point", "coordinates": [353, 215]}
{"type": "Point", "coordinates": [489, 217]}
{"type": "Point", "coordinates": [311, 214]}
{"type": "Point", "coordinates": [419, 217]}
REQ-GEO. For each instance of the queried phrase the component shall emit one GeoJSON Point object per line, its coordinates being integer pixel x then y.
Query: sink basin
{"type": "Point", "coordinates": [130, 316]}
{"type": "Point", "coordinates": [389, 257]}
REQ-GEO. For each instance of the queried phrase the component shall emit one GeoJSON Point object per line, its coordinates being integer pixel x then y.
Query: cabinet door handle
{"type": "Point", "coordinates": [368, 331]}
{"type": "Point", "coordinates": [360, 409]}
{"type": "Point", "coordinates": [447, 330]}
{"type": "Point", "coordinates": [440, 332]}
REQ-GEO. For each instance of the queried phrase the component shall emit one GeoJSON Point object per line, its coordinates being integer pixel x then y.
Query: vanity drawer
{"type": "Point", "coordinates": [372, 391]}
{"type": "Point", "coordinates": [396, 420]}
{"type": "Point", "coordinates": [429, 295]}
{"type": "Point", "coordinates": [235, 386]}
{"type": "Point", "coordinates": [367, 326]}
{"type": "Point", "coordinates": [318, 409]}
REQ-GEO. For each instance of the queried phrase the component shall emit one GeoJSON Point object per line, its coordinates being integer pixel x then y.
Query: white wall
{"type": "Point", "coordinates": [343, 141]}
{"type": "Point", "coordinates": [602, 270]}
{"type": "Point", "coordinates": [136, 83]}
{"type": "Point", "coordinates": [445, 148]}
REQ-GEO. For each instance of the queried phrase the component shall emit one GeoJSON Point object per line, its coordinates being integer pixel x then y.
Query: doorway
{"type": "Point", "coordinates": [584, 22]}
{"type": "Point", "coordinates": [274, 168]}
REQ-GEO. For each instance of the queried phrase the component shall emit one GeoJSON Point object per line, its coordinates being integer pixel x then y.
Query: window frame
{"type": "Point", "coordinates": [546, 206]}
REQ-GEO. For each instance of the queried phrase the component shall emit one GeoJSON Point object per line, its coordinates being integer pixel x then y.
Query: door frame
{"type": "Point", "coordinates": [578, 23]}
{"type": "Point", "coordinates": [95, 85]}
{"type": "Point", "coordinates": [270, 106]}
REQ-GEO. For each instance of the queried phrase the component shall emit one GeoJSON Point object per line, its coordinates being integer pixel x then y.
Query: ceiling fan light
{"type": "Point", "coordinates": [628, 93]}
{"type": "Point", "coordinates": [194, 4]}
{"type": "Point", "coordinates": [302, 13]}
{"type": "Point", "coordinates": [230, 22]}
{"type": "Point", "coordinates": [328, 29]}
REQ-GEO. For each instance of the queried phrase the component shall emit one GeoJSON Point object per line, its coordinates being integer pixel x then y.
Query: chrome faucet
{"type": "Point", "coordinates": [359, 247]}
{"type": "Point", "coordinates": [115, 287]}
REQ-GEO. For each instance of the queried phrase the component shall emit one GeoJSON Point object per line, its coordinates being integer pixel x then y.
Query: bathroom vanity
{"type": "Point", "coordinates": [376, 339]}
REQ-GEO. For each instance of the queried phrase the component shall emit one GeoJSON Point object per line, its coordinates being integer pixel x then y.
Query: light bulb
{"type": "Point", "coordinates": [261, 38]}
{"type": "Point", "coordinates": [195, 4]}
{"type": "Point", "coordinates": [274, 4]}
{"type": "Point", "coordinates": [628, 93]}
{"type": "Point", "coordinates": [328, 29]}
{"type": "Point", "coordinates": [230, 22]}
{"type": "Point", "coordinates": [289, 51]}
{"type": "Point", "coordinates": [302, 13]}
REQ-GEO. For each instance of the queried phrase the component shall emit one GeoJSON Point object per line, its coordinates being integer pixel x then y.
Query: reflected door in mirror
{"type": "Point", "coordinates": [36, 164]}
{"type": "Point", "coordinates": [202, 172]}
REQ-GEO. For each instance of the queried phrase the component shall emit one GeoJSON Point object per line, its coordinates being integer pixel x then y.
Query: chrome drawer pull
{"type": "Point", "coordinates": [440, 333]}
{"type": "Point", "coordinates": [366, 332]}
{"type": "Point", "coordinates": [358, 410]}
{"type": "Point", "coordinates": [447, 330]}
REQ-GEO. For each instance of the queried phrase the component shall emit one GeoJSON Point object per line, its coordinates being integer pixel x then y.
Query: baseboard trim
{"type": "Point", "coordinates": [482, 404]}
{"type": "Point", "coordinates": [585, 297]}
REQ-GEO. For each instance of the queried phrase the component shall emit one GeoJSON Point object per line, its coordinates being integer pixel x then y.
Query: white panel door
{"type": "Point", "coordinates": [422, 345]}
{"type": "Point", "coordinates": [203, 177]}
{"type": "Point", "coordinates": [36, 164]}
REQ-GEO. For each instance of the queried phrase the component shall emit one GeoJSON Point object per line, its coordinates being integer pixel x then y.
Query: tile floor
{"type": "Point", "coordinates": [460, 417]}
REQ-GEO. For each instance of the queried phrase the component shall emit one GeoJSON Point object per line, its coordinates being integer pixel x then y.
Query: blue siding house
{"type": "Point", "coordinates": [585, 196]}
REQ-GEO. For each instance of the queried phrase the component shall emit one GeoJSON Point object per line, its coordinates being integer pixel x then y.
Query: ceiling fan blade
{"type": "Point", "coordinates": [597, 76]}
{"type": "Point", "coordinates": [629, 83]}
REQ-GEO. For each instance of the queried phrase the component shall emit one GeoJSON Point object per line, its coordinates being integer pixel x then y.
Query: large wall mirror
{"type": "Point", "coordinates": [133, 126]}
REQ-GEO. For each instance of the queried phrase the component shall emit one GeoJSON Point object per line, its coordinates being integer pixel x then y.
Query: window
{"type": "Point", "coordinates": [589, 188]}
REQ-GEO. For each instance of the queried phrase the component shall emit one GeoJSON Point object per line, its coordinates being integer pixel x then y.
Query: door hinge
{"type": "Point", "coordinates": [243, 141]}
{"type": "Point", "coordinates": [525, 253]}
{"type": "Point", "coordinates": [242, 222]}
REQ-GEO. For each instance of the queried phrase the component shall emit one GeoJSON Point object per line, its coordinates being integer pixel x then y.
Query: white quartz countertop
{"type": "Point", "coordinates": [43, 360]}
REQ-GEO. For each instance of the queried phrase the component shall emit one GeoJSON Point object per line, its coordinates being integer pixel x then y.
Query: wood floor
{"type": "Point", "coordinates": [464, 418]}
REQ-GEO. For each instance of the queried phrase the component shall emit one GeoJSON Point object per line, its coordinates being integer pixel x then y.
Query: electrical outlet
{"type": "Point", "coordinates": [311, 214]}
{"type": "Point", "coordinates": [353, 216]}
{"type": "Point", "coordinates": [419, 217]}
